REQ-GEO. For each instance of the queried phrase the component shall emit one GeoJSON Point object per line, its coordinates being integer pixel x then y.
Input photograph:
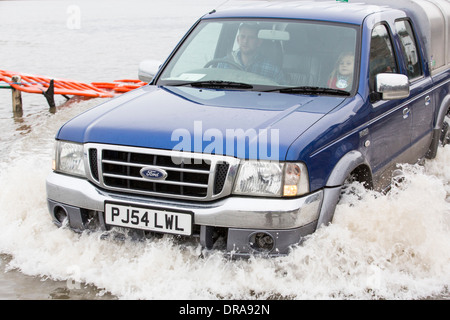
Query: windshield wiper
{"type": "Point", "coordinates": [216, 84]}
{"type": "Point", "coordinates": [311, 90]}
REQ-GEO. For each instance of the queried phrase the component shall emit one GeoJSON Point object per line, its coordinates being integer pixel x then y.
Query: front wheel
{"type": "Point", "coordinates": [349, 191]}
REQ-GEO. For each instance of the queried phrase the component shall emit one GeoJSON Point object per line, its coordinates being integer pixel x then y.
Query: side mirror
{"type": "Point", "coordinates": [392, 86]}
{"type": "Point", "coordinates": [148, 70]}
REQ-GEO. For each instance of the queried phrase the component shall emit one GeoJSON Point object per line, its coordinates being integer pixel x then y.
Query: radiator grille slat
{"type": "Point", "coordinates": [188, 176]}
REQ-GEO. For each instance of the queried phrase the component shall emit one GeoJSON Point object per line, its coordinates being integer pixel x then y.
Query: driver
{"type": "Point", "coordinates": [249, 57]}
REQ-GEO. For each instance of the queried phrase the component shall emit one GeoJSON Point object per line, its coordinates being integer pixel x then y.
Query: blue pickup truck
{"type": "Point", "coordinates": [247, 133]}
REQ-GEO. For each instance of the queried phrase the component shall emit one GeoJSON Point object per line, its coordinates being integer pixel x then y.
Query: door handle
{"type": "Point", "coordinates": [427, 100]}
{"type": "Point", "coordinates": [406, 112]}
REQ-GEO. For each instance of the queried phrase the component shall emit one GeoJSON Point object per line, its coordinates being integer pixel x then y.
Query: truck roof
{"type": "Point", "coordinates": [335, 11]}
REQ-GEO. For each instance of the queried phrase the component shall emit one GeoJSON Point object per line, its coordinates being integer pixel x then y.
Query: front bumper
{"type": "Point", "coordinates": [286, 221]}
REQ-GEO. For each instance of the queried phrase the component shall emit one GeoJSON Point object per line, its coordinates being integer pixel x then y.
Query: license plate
{"type": "Point", "coordinates": [151, 219]}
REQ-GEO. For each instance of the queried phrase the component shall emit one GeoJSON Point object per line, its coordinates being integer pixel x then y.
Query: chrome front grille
{"type": "Point", "coordinates": [189, 176]}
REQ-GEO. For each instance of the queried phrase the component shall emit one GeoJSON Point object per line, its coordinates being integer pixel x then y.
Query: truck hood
{"type": "Point", "coordinates": [201, 120]}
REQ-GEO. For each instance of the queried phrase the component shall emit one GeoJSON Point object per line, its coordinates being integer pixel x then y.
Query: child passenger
{"type": "Point", "coordinates": [342, 75]}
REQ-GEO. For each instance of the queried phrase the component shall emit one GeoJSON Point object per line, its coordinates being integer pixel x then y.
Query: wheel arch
{"type": "Point", "coordinates": [353, 164]}
{"type": "Point", "coordinates": [443, 110]}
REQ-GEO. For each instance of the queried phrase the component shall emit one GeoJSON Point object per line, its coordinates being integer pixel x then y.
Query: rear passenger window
{"type": "Point", "coordinates": [382, 58]}
{"type": "Point", "coordinates": [409, 48]}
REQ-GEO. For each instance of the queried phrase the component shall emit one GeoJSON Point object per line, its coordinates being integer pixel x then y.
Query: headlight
{"type": "Point", "coordinates": [273, 179]}
{"type": "Point", "coordinates": [69, 158]}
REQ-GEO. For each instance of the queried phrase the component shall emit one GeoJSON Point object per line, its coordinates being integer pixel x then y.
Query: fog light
{"type": "Point", "coordinates": [60, 214]}
{"type": "Point", "coordinates": [262, 241]}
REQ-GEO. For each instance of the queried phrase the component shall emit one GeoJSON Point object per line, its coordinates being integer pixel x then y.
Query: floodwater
{"type": "Point", "coordinates": [394, 246]}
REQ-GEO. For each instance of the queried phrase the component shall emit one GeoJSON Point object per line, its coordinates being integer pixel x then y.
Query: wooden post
{"type": "Point", "coordinates": [16, 96]}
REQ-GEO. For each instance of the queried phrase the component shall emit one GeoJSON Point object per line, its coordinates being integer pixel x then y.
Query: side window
{"type": "Point", "coordinates": [382, 58]}
{"type": "Point", "coordinates": [409, 48]}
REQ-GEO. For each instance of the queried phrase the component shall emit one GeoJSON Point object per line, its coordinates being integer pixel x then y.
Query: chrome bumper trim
{"type": "Point", "coordinates": [231, 212]}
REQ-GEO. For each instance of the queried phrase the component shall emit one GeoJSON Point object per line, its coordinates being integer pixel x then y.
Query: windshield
{"type": "Point", "coordinates": [266, 55]}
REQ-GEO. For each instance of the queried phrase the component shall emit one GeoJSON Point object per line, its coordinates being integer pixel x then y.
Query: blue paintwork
{"type": "Point", "coordinates": [153, 114]}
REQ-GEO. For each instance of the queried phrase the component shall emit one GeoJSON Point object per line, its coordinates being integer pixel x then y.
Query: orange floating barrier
{"type": "Point", "coordinates": [51, 86]}
{"type": "Point", "coordinates": [39, 84]}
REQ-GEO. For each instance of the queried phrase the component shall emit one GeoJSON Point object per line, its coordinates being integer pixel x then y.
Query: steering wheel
{"type": "Point", "coordinates": [221, 60]}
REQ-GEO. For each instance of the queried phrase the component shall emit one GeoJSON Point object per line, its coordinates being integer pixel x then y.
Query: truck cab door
{"type": "Point", "coordinates": [421, 102]}
{"type": "Point", "coordinates": [390, 120]}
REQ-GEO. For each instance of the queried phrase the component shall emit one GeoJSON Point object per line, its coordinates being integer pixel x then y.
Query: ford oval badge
{"type": "Point", "coordinates": [153, 173]}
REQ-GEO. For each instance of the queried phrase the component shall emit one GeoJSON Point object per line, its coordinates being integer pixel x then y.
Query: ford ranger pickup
{"type": "Point", "coordinates": [246, 134]}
